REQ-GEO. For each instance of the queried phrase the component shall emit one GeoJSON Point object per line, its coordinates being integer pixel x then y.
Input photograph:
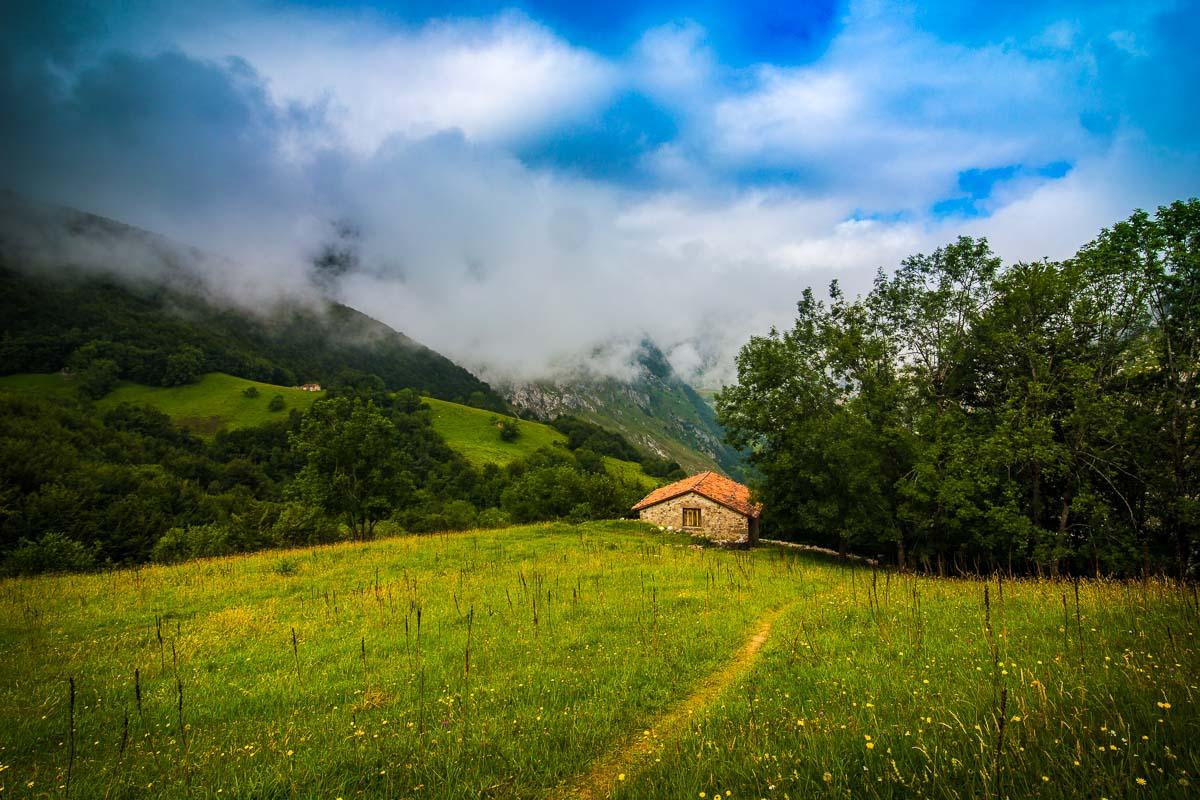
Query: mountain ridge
{"type": "Point", "coordinates": [654, 408]}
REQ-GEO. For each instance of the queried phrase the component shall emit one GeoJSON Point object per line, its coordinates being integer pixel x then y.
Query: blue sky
{"type": "Point", "coordinates": [495, 151]}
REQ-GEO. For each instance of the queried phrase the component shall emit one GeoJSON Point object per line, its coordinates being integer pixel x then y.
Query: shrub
{"type": "Point", "coordinates": [276, 403]}
{"type": "Point", "coordinates": [250, 392]}
{"type": "Point", "coordinates": [580, 512]}
{"type": "Point", "coordinates": [194, 541]}
{"type": "Point", "coordinates": [459, 515]}
{"type": "Point", "coordinates": [183, 366]}
{"type": "Point", "coordinates": [285, 567]}
{"type": "Point", "coordinates": [589, 461]}
{"type": "Point", "coordinates": [54, 552]}
{"type": "Point", "coordinates": [493, 518]}
{"type": "Point", "coordinates": [300, 524]}
{"type": "Point", "coordinates": [509, 430]}
{"type": "Point", "coordinates": [98, 378]}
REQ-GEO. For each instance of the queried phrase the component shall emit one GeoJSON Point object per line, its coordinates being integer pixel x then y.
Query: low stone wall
{"type": "Point", "coordinates": [717, 523]}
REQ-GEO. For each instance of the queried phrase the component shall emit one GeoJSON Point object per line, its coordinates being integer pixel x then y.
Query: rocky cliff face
{"type": "Point", "coordinates": [653, 408]}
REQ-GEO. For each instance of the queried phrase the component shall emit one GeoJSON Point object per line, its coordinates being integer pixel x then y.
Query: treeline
{"type": "Point", "coordinates": [589, 441]}
{"type": "Point", "coordinates": [105, 329]}
{"type": "Point", "coordinates": [81, 491]}
{"type": "Point", "coordinates": [964, 416]}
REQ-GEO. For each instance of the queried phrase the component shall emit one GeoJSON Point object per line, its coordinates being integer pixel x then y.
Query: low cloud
{"type": "Point", "coordinates": [220, 135]}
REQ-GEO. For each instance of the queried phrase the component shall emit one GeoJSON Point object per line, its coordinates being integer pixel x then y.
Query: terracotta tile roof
{"type": "Point", "coordinates": [717, 488]}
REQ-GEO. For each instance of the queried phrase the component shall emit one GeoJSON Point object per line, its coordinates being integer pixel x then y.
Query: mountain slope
{"type": "Point", "coordinates": [217, 402]}
{"type": "Point", "coordinates": [473, 434]}
{"type": "Point", "coordinates": [655, 410]}
{"type": "Point", "coordinates": [45, 319]}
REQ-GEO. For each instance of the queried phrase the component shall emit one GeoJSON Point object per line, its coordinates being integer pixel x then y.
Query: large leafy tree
{"type": "Point", "coordinates": [354, 463]}
{"type": "Point", "coordinates": [1042, 416]}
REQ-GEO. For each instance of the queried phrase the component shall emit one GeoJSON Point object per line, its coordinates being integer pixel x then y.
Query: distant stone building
{"type": "Point", "coordinates": [707, 505]}
{"type": "Point", "coordinates": [310, 387]}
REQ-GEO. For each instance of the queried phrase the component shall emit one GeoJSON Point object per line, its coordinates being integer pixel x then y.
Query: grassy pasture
{"type": "Point", "coordinates": [214, 403]}
{"type": "Point", "coordinates": [472, 433]}
{"type": "Point", "coordinates": [504, 663]}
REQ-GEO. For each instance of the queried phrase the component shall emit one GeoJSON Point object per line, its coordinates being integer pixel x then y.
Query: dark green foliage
{"type": "Point", "coordinates": [599, 441]}
{"type": "Point", "coordinates": [964, 416]}
{"type": "Point", "coordinates": [163, 336]}
{"type": "Point", "coordinates": [114, 485]}
{"type": "Point", "coordinates": [460, 515]}
{"type": "Point", "coordinates": [583, 434]}
{"type": "Point", "coordinates": [493, 518]}
{"type": "Point", "coordinates": [276, 403]}
{"type": "Point", "coordinates": [509, 430]}
{"type": "Point", "coordinates": [185, 365]}
{"type": "Point", "coordinates": [562, 492]}
{"type": "Point", "coordinates": [357, 465]}
{"type": "Point", "coordinates": [97, 378]}
{"type": "Point", "coordinates": [53, 552]}
{"type": "Point", "coordinates": [250, 392]}
{"type": "Point", "coordinates": [79, 490]}
{"type": "Point", "coordinates": [589, 461]}
{"type": "Point", "coordinates": [662, 468]}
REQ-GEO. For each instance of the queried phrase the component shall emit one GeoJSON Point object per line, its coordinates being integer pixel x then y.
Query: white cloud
{"type": "Point", "coordinates": [1054, 218]}
{"type": "Point", "coordinates": [518, 271]}
{"type": "Point", "coordinates": [493, 80]}
{"type": "Point", "coordinates": [893, 114]}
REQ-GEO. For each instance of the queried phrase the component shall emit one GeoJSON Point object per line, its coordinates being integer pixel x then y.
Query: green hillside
{"type": "Point", "coordinates": [656, 411]}
{"type": "Point", "coordinates": [217, 403]}
{"type": "Point", "coordinates": [597, 660]}
{"type": "Point", "coordinates": [213, 404]}
{"type": "Point", "coordinates": [63, 316]}
{"type": "Point", "coordinates": [473, 433]}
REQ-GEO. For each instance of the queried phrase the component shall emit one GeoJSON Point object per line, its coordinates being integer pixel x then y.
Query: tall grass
{"type": "Point", "coordinates": [942, 692]}
{"type": "Point", "coordinates": [503, 663]}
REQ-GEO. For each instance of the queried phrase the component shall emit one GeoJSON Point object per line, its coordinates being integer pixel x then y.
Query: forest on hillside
{"type": "Point", "coordinates": [967, 416]}
{"type": "Point", "coordinates": [83, 488]}
{"type": "Point", "coordinates": [106, 328]}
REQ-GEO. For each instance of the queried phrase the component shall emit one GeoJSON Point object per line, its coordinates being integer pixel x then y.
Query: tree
{"type": "Point", "coordinates": [183, 366]}
{"type": "Point", "coordinates": [1037, 417]}
{"type": "Point", "coordinates": [509, 430]}
{"type": "Point", "coordinates": [95, 367]}
{"type": "Point", "coordinates": [353, 463]}
{"type": "Point", "coordinates": [98, 378]}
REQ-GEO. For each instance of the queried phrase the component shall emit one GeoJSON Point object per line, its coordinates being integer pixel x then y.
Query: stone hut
{"type": "Point", "coordinates": [707, 505]}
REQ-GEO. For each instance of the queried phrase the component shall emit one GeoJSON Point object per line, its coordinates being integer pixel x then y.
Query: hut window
{"type": "Point", "coordinates": [691, 518]}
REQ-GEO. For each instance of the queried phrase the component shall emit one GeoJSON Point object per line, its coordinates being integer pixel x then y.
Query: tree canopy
{"type": "Point", "coordinates": [964, 415]}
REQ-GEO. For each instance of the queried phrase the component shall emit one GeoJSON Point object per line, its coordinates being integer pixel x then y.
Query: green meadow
{"type": "Point", "coordinates": [214, 403]}
{"type": "Point", "coordinates": [473, 434]}
{"type": "Point", "coordinates": [602, 659]}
